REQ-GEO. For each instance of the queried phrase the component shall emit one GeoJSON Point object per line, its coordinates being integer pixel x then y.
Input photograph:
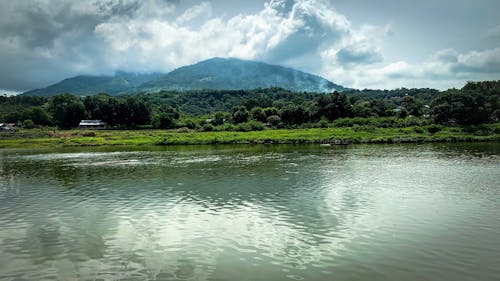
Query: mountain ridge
{"type": "Point", "coordinates": [215, 74]}
{"type": "Point", "coordinates": [119, 83]}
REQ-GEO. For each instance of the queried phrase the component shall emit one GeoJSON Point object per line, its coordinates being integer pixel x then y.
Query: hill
{"type": "Point", "coordinates": [235, 74]}
{"type": "Point", "coordinates": [120, 83]}
{"type": "Point", "coordinates": [214, 74]}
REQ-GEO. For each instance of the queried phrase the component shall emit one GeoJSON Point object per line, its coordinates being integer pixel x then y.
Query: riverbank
{"type": "Point", "coordinates": [346, 135]}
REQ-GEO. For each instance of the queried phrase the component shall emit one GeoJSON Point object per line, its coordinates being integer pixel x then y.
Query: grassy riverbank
{"type": "Point", "coordinates": [41, 137]}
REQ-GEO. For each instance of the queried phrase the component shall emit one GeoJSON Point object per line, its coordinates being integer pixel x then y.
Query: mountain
{"type": "Point", "coordinates": [215, 73]}
{"type": "Point", "coordinates": [121, 82]}
{"type": "Point", "coordinates": [230, 74]}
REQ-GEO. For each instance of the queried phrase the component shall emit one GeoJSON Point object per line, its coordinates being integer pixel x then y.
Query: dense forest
{"type": "Point", "coordinates": [247, 110]}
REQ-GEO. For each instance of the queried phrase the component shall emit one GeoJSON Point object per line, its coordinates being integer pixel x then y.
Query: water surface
{"type": "Point", "coordinates": [399, 212]}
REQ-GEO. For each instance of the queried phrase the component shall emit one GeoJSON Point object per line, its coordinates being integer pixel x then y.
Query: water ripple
{"type": "Point", "coordinates": [282, 213]}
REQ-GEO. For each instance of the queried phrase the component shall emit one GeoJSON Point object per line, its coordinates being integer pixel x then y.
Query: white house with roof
{"type": "Point", "coordinates": [93, 124]}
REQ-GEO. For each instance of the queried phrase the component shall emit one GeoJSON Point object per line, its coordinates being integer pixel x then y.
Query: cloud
{"type": "Point", "coordinates": [8, 93]}
{"type": "Point", "coordinates": [493, 33]}
{"type": "Point", "coordinates": [197, 11]}
{"type": "Point", "coordinates": [444, 69]}
{"type": "Point", "coordinates": [284, 31]}
{"type": "Point", "coordinates": [50, 40]}
{"type": "Point", "coordinates": [487, 61]}
{"type": "Point", "coordinates": [43, 41]}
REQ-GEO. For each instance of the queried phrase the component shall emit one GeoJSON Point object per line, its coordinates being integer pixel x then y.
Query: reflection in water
{"type": "Point", "coordinates": [251, 212]}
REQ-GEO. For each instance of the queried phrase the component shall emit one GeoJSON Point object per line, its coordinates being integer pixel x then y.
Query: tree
{"type": "Point", "coordinates": [362, 109]}
{"type": "Point", "coordinates": [240, 114]}
{"type": "Point", "coordinates": [274, 121]}
{"type": "Point", "coordinates": [37, 115]}
{"type": "Point", "coordinates": [258, 114]}
{"type": "Point", "coordinates": [66, 110]}
{"type": "Point", "coordinates": [381, 107]}
{"type": "Point", "coordinates": [137, 112]}
{"type": "Point", "coordinates": [164, 117]}
{"type": "Point", "coordinates": [220, 117]}
{"type": "Point", "coordinates": [333, 106]}
{"type": "Point", "coordinates": [294, 114]}
{"type": "Point", "coordinates": [412, 106]}
{"type": "Point", "coordinates": [464, 108]}
{"type": "Point", "coordinates": [270, 111]}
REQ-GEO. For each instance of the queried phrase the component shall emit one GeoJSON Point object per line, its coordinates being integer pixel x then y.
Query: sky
{"type": "Point", "coordinates": [378, 44]}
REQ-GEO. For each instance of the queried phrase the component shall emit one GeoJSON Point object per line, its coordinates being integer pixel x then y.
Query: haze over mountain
{"type": "Point", "coordinates": [228, 74]}
{"type": "Point", "coordinates": [121, 82]}
{"type": "Point", "coordinates": [215, 73]}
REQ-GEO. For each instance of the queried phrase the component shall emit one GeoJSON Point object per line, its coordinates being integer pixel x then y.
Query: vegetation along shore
{"type": "Point", "coordinates": [272, 115]}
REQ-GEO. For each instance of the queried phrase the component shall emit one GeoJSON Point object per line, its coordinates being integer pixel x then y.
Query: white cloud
{"type": "Point", "coordinates": [46, 41]}
{"type": "Point", "coordinates": [8, 93]}
{"type": "Point", "coordinates": [444, 69]}
{"type": "Point", "coordinates": [494, 32]}
{"type": "Point", "coordinates": [288, 32]}
{"type": "Point", "coordinates": [202, 10]}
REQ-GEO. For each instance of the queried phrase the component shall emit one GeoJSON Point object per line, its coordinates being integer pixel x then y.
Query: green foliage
{"type": "Point", "coordinates": [333, 106]}
{"type": "Point", "coordinates": [164, 118]}
{"type": "Point", "coordinates": [66, 110]}
{"type": "Point", "coordinates": [418, 130]}
{"type": "Point", "coordinates": [28, 124]}
{"type": "Point", "coordinates": [403, 113]}
{"type": "Point", "coordinates": [464, 107]}
{"type": "Point", "coordinates": [220, 117]}
{"type": "Point", "coordinates": [412, 106]}
{"type": "Point", "coordinates": [207, 128]}
{"type": "Point", "coordinates": [434, 128]}
{"type": "Point", "coordinates": [258, 114]}
{"type": "Point", "coordinates": [362, 109]}
{"type": "Point", "coordinates": [128, 112]}
{"type": "Point", "coordinates": [270, 111]}
{"type": "Point", "coordinates": [274, 121]}
{"type": "Point", "coordinates": [240, 114]}
{"type": "Point", "coordinates": [476, 103]}
{"type": "Point", "coordinates": [162, 121]}
{"type": "Point", "coordinates": [294, 114]}
{"type": "Point", "coordinates": [250, 126]}
{"type": "Point", "coordinates": [323, 123]}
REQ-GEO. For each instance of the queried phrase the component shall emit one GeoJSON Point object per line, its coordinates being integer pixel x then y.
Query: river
{"type": "Point", "coordinates": [251, 212]}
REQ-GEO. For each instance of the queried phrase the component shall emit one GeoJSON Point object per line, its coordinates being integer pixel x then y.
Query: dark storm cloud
{"type": "Point", "coordinates": [38, 24]}
{"type": "Point", "coordinates": [43, 41]}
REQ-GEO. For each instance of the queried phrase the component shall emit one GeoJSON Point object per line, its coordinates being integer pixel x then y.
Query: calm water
{"type": "Point", "coordinates": [412, 212]}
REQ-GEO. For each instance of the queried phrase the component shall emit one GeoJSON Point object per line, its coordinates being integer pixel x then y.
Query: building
{"type": "Point", "coordinates": [92, 124]}
{"type": "Point", "coordinates": [7, 126]}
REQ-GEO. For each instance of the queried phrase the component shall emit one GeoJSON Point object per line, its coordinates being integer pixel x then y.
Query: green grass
{"type": "Point", "coordinates": [361, 134]}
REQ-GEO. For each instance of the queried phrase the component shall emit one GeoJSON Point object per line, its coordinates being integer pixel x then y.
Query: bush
{"type": "Point", "coordinates": [274, 121]}
{"type": "Point", "coordinates": [323, 123]}
{"type": "Point", "coordinates": [434, 128]}
{"type": "Point", "coordinates": [28, 124]}
{"type": "Point", "coordinates": [89, 134]}
{"type": "Point", "coordinates": [419, 130]}
{"type": "Point", "coordinates": [250, 126]}
{"type": "Point", "coordinates": [207, 128]}
{"type": "Point", "coordinates": [188, 123]}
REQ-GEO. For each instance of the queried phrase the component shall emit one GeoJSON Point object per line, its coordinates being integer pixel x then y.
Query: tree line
{"type": "Point", "coordinates": [245, 110]}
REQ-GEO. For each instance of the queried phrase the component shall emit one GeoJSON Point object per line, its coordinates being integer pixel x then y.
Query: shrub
{"type": "Point", "coordinates": [274, 121]}
{"type": "Point", "coordinates": [323, 123]}
{"type": "Point", "coordinates": [207, 128]}
{"type": "Point", "coordinates": [434, 128]}
{"type": "Point", "coordinates": [250, 126]}
{"type": "Point", "coordinates": [28, 124]}
{"type": "Point", "coordinates": [89, 134]}
{"type": "Point", "coordinates": [419, 130]}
